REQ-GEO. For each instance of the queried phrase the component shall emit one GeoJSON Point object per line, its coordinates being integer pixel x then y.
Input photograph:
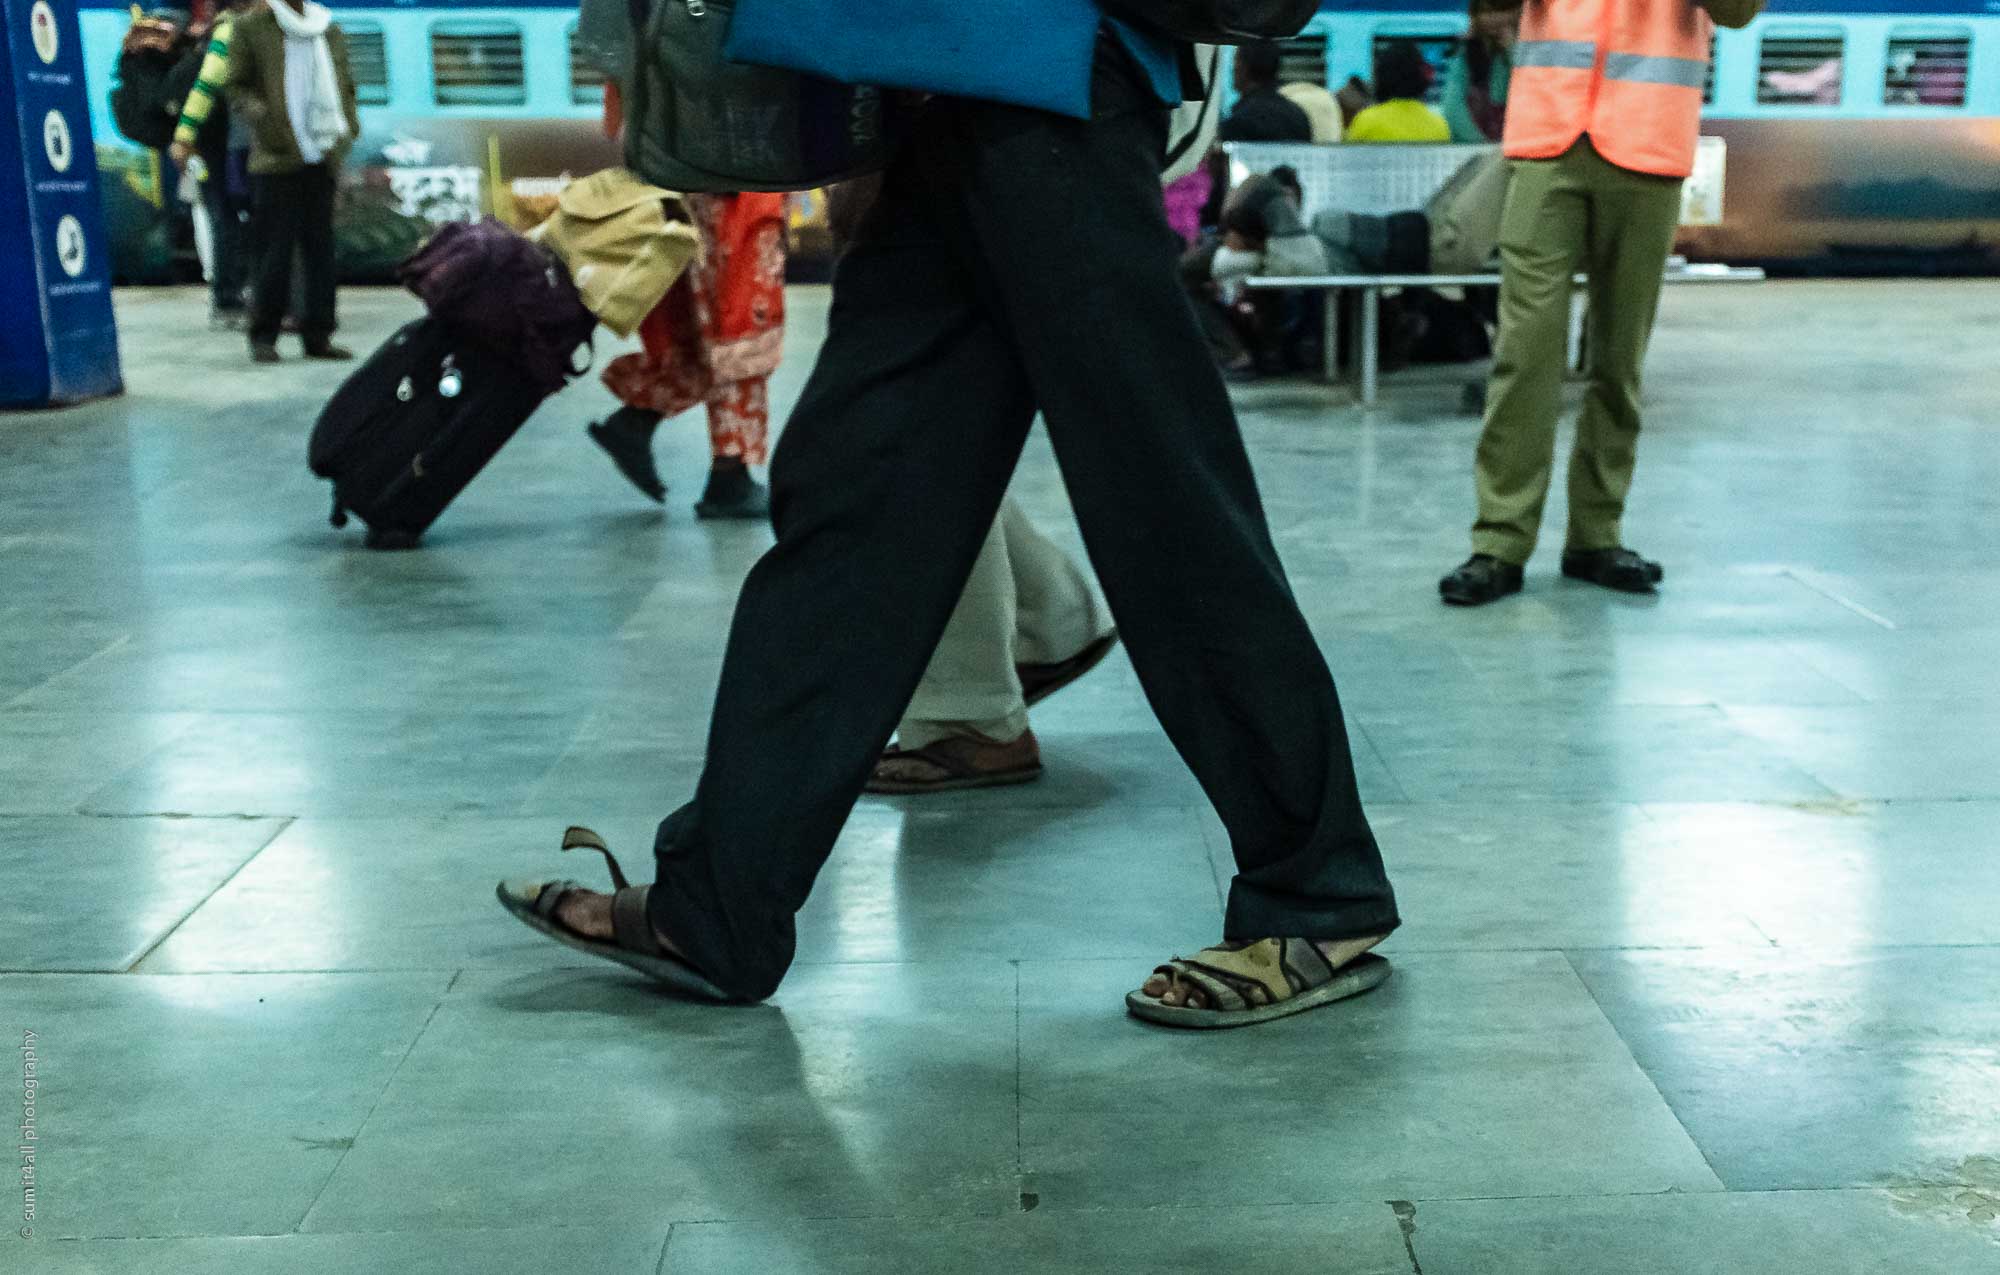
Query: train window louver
{"type": "Point", "coordinates": [368, 59]}
{"type": "Point", "coordinates": [1926, 68]}
{"type": "Point", "coordinates": [478, 64]}
{"type": "Point", "coordinates": [1437, 50]}
{"type": "Point", "coordinates": [1304, 60]}
{"type": "Point", "coordinates": [586, 81]}
{"type": "Point", "coordinates": [1801, 67]}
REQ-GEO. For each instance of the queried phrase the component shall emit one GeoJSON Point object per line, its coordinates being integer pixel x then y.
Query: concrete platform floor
{"type": "Point", "coordinates": [1704, 901]}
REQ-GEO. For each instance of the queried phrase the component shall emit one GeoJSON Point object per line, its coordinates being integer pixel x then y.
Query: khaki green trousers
{"type": "Point", "coordinates": [1576, 212]}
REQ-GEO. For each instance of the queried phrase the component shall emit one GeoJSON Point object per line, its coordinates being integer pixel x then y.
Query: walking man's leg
{"type": "Point", "coordinates": [1163, 490]}
{"type": "Point", "coordinates": [1631, 233]}
{"type": "Point", "coordinates": [1059, 613]}
{"type": "Point", "coordinates": [1016, 258]}
{"type": "Point", "coordinates": [1026, 604]}
{"type": "Point", "coordinates": [1544, 232]}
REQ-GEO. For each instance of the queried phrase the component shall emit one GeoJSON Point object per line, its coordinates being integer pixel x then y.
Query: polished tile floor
{"type": "Point", "coordinates": [1701, 974]}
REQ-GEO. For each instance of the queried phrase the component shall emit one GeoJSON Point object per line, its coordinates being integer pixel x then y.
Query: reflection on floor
{"type": "Point", "coordinates": [1703, 938]}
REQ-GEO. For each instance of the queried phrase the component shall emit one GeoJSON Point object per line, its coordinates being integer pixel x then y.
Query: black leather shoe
{"type": "Point", "coordinates": [751, 503]}
{"type": "Point", "coordinates": [1480, 579]}
{"type": "Point", "coordinates": [391, 538]}
{"type": "Point", "coordinates": [733, 494]}
{"type": "Point", "coordinates": [1619, 569]}
{"type": "Point", "coordinates": [627, 437]}
{"type": "Point", "coordinates": [329, 351]}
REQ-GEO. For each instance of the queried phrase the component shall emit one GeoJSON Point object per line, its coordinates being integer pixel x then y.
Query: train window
{"type": "Point", "coordinates": [586, 81]}
{"type": "Point", "coordinates": [1708, 76]}
{"type": "Point", "coordinates": [1927, 67]}
{"type": "Point", "coordinates": [1437, 50]}
{"type": "Point", "coordinates": [478, 64]}
{"type": "Point", "coordinates": [1305, 60]}
{"type": "Point", "coordinates": [368, 59]}
{"type": "Point", "coordinates": [1801, 66]}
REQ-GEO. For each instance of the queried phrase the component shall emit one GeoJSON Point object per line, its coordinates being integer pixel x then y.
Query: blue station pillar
{"type": "Point", "coordinates": [58, 339]}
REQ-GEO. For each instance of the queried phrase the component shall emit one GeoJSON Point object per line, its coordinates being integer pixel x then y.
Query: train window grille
{"type": "Point", "coordinates": [478, 64]}
{"type": "Point", "coordinates": [586, 80]}
{"type": "Point", "coordinates": [1927, 68]}
{"type": "Point", "coordinates": [368, 61]}
{"type": "Point", "coordinates": [1801, 67]}
{"type": "Point", "coordinates": [1437, 50]}
{"type": "Point", "coordinates": [1304, 60]}
{"type": "Point", "coordinates": [1708, 76]}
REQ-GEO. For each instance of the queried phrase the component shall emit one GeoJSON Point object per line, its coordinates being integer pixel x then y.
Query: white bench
{"type": "Point", "coordinates": [1370, 287]}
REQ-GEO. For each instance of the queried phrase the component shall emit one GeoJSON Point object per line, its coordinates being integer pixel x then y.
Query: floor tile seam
{"type": "Point", "coordinates": [84, 810]}
{"type": "Point", "coordinates": [284, 825]}
{"type": "Point", "coordinates": [370, 972]}
{"type": "Point", "coordinates": [350, 1232]}
{"type": "Point", "coordinates": [531, 791]}
{"type": "Point", "coordinates": [1020, 1154]}
{"type": "Point", "coordinates": [1724, 1192]}
{"type": "Point", "coordinates": [1741, 730]}
{"type": "Point", "coordinates": [116, 643]}
{"type": "Point", "coordinates": [1381, 759]}
{"type": "Point", "coordinates": [458, 970]}
{"type": "Point", "coordinates": [1837, 598]}
{"type": "Point", "coordinates": [676, 1225]}
{"type": "Point", "coordinates": [361, 1129]}
{"type": "Point", "coordinates": [1652, 1082]}
{"type": "Point", "coordinates": [172, 817]}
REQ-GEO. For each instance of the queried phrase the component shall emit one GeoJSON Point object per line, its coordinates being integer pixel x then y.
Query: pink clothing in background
{"type": "Point", "coordinates": [1185, 200]}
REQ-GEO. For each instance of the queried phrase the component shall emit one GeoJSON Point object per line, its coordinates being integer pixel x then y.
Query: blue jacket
{"type": "Point", "coordinates": [1028, 52]}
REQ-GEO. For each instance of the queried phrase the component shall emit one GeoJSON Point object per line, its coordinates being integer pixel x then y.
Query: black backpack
{"type": "Point", "coordinates": [142, 104]}
{"type": "Point", "coordinates": [1220, 21]}
{"type": "Point", "coordinates": [697, 121]}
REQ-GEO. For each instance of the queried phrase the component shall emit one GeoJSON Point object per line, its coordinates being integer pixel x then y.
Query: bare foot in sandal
{"type": "Point", "coordinates": [618, 926]}
{"type": "Point", "coordinates": [1236, 984]}
{"type": "Point", "coordinates": [589, 914]}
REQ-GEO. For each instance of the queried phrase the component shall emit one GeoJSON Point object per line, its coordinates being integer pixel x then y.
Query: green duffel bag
{"type": "Point", "coordinates": [695, 121]}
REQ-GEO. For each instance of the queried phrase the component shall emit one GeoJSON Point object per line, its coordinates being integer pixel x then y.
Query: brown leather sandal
{"type": "Point", "coordinates": [1039, 681]}
{"type": "Point", "coordinates": [957, 762]}
{"type": "Point", "coordinates": [635, 945]}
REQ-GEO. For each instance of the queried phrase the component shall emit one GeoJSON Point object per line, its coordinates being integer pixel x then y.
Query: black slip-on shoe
{"type": "Point", "coordinates": [1619, 569]}
{"type": "Point", "coordinates": [633, 454]}
{"type": "Point", "coordinates": [1480, 579]}
{"type": "Point", "coordinates": [392, 539]}
{"type": "Point", "coordinates": [746, 502]}
{"type": "Point", "coordinates": [328, 352]}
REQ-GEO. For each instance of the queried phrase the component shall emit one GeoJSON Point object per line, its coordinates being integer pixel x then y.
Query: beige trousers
{"type": "Point", "coordinates": [1026, 603]}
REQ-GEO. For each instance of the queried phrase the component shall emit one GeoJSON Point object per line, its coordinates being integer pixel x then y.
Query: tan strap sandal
{"type": "Point", "coordinates": [1255, 982]}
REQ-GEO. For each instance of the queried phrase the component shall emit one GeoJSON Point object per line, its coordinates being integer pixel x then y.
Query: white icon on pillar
{"type": "Point", "coordinates": [42, 26]}
{"type": "Point", "coordinates": [55, 140]}
{"type": "Point", "coordinates": [69, 246]}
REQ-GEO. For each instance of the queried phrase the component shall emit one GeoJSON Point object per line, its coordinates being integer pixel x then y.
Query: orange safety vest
{"type": "Point", "coordinates": [1628, 73]}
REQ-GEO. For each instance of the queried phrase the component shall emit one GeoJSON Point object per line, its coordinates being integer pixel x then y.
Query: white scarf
{"type": "Point", "coordinates": [312, 90]}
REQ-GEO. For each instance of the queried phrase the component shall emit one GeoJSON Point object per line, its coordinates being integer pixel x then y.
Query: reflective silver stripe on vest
{"type": "Point", "coordinates": [1567, 55]}
{"type": "Point", "coordinates": [1639, 68]}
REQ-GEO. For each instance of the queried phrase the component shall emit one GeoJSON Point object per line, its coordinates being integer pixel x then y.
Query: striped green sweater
{"type": "Point", "coordinates": [208, 82]}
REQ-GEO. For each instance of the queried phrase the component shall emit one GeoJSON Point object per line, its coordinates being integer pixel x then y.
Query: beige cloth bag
{"type": "Point", "coordinates": [625, 243]}
{"type": "Point", "coordinates": [1465, 216]}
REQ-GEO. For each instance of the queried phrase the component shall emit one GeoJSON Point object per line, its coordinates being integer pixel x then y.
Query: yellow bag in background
{"type": "Point", "coordinates": [625, 244]}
